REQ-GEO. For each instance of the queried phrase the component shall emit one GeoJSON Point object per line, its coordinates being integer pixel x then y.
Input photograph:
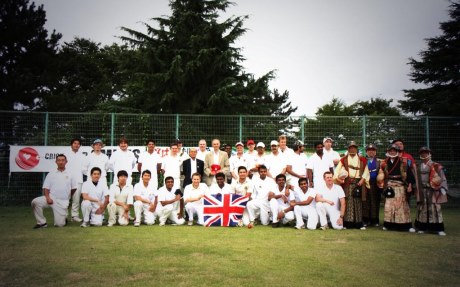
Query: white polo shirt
{"type": "Point", "coordinates": [237, 161]}
{"type": "Point", "coordinates": [299, 195]}
{"type": "Point", "coordinates": [164, 194]}
{"type": "Point", "coordinates": [242, 188]}
{"type": "Point", "coordinates": [299, 164]}
{"type": "Point", "coordinates": [263, 187]}
{"type": "Point", "coordinates": [319, 166]}
{"type": "Point", "coordinates": [214, 189]}
{"type": "Point", "coordinates": [99, 191]}
{"type": "Point", "coordinates": [275, 163]}
{"type": "Point", "coordinates": [147, 193]}
{"type": "Point", "coordinates": [96, 160]}
{"type": "Point", "coordinates": [60, 184]}
{"type": "Point", "coordinates": [124, 195]}
{"type": "Point", "coordinates": [75, 163]}
{"type": "Point", "coordinates": [122, 160]}
{"type": "Point", "coordinates": [149, 161]}
{"type": "Point", "coordinates": [171, 166]}
{"type": "Point", "coordinates": [334, 194]}
{"type": "Point", "coordinates": [192, 192]}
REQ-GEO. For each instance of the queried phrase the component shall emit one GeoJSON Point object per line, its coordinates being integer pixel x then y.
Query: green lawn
{"type": "Point", "coordinates": [199, 256]}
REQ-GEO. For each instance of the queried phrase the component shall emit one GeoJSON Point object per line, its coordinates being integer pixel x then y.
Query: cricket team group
{"type": "Point", "coordinates": [284, 186]}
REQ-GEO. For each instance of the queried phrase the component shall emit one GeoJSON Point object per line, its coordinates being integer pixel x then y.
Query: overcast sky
{"type": "Point", "coordinates": [349, 49]}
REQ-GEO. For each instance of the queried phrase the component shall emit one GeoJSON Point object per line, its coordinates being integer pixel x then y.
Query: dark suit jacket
{"type": "Point", "coordinates": [187, 167]}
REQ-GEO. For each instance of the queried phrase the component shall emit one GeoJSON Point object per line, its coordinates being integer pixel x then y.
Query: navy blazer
{"type": "Point", "coordinates": [187, 167]}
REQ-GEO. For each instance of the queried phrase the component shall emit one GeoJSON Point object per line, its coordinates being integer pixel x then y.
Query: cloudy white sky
{"type": "Point", "coordinates": [349, 49]}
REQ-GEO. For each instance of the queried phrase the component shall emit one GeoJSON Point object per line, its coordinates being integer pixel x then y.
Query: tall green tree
{"type": "Point", "coordinates": [89, 77]}
{"type": "Point", "coordinates": [188, 64]}
{"type": "Point", "coordinates": [439, 70]}
{"type": "Point", "coordinates": [27, 55]}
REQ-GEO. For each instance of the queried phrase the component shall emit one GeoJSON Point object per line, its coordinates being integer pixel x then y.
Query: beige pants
{"type": "Point", "coordinates": [115, 210]}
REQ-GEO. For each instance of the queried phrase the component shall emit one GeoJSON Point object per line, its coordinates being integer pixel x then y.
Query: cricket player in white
{"type": "Point", "coordinates": [121, 199]}
{"type": "Point", "coordinates": [97, 159]}
{"type": "Point", "coordinates": [168, 197]}
{"type": "Point", "coordinates": [145, 200]}
{"type": "Point", "coordinates": [220, 186]}
{"type": "Point", "coordinates": [76, 160]}
{"type": "Point", "coordinates": [258, 205]}
{"type": "Point", "coordinates": [58, 187]}
{"type": "Point", "coordinates": [95, 199]}
{"type": "Point", "coordinates": [193, 198]}
{"type": "Point", "coordinates": [305, 206]}
{"type": "Point", "coordinates": [329, 198]}
{"type": "Point", "coordinates": [243, 186]}
{"type": "Point", "coordinates": [280, 202]}
{"type": "Point", "coordinates": [123, 159]}
{"type": "Point", "coordinates": [150, 160]}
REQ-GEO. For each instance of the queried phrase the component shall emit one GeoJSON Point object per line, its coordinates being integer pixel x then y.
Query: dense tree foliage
{"type": "Point", "coordinates": [188, 64]}
{"type": "Point", "coordinates": [439, 70]}
{"type": "Point", "coordinates": [27, 55]}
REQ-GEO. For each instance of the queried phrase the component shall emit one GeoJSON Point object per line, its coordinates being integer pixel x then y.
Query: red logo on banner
{"type": "Point", "coordinates": [27, 158]}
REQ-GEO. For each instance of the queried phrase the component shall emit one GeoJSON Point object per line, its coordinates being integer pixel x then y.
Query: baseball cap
{"type": "Point", "coordinates": [250, 142]}
{"type": "Point", "coordinates": [274, 143]}
{"type": "Point", "coordinates": [97, 141]}
{"type": "Point", "coordinates": [371, 146]}
{"type": "Point", "coordinates": [326, 139]}
{"type": "Point", "coordinates": [260, 144]}
{"type": "Point", "coordinates": [239, 143]}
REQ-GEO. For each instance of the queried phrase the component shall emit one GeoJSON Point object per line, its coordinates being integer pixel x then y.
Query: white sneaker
{"type": "Point", "coordinates": [324, 227]}
{"type": "Point", "coordinates": [300, 227]}
{"type": "Point", "coordinates": [190, 223]}
{"type": "Point", "coordinates": [363, 228]}
{"type": "Point", "coordinates": [240, 223]}
{"type": "Point", "coordinates": [376, 225]}
{"type": "Point", "coordinates": [137, 224]}
{"type": "Point", "coordinates": [420, 232]}
{"type": "Point", "coordinates": [384, 228]}
{"type": "Point", "coordinates": [84, 224]}
{"type": "Point", "coordinates": [76, 219]}
{"type": "Point", "coordinates": [162, 224]}
{"type": "Point", "coordinates": [411, 230]}
{"type": "Point", "coordinates": [109, 224]}
{"type": "Point", "coordinates": [442, 233]}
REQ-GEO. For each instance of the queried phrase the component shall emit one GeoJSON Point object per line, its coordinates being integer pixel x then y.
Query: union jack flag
{"type": "Point", "coordinates": [223, 209]}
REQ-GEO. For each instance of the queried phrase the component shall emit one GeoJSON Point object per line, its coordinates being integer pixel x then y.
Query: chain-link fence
{"type": "Point", "coordinates": [56, 129]}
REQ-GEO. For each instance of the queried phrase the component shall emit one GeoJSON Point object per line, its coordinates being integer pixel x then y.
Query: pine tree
{"type": "Point", "coordinates": [439, 69]}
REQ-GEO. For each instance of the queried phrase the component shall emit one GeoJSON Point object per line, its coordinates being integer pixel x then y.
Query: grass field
{"type": "Point", "coordinates": [199, 256]}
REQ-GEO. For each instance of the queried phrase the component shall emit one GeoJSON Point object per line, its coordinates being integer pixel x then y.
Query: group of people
{"type": "Point", "coordinates": [325, 190]}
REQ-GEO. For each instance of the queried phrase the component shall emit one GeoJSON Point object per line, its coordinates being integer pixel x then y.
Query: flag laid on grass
{"type": "Point", "coordinates": [223, 209]}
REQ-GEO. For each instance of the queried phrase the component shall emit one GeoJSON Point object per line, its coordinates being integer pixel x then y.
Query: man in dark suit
{"type": "Point", "coordinates": [192, 165]}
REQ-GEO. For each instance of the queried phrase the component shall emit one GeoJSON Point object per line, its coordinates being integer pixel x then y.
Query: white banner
{"type": "Point", "coordinates": [43, 158]}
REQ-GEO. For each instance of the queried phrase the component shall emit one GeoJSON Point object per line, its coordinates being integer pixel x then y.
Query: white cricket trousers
{"type": "Point", "coordinates": [143, 208]}
{"type": "Point", "coordinates": [257, 207]}
{"type": "Point", "coordinates": [324, 209]}
{"type": "Point", "coordinates": [88, 209]}
{"type": "Point", "coordinates": [195, 208]}
{"type": "Point", "coordinates": [168, 212]}
{"type": "Point", "coordinates": [308, 213]}
{"type": "Point", "coordinates": [75, 209]}
{"type": "Point", "coordinates": [59, 208]}
{"type": "Point", "coordinates": [276, 207]}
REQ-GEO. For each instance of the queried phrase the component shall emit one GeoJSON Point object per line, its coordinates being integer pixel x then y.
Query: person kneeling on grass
{"type": "Point", "coordinates": [328, 197]}
{"type": "Point", "coordinates": [95, 199]}
{"type": "Point", "coordinates": [121, 199]}
{"type": "Point", "coordinates": [146, 200]}
{"type": "Point", "coordinates": [168, 200]}
{"type": "Point", "coordinates": [280, 202]}
{"type": "Point", "coordinates": [58, 188]}
{"type": "Point", "coordinates": [193, 194]}
{"type": "Point", "coordinates": [305, 206]}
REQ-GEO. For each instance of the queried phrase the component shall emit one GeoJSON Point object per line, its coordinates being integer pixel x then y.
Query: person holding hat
{"type": "Point", "coordinates": [257, 160]}
{"type": "Point", "coordinates": [354, 185]}
{"type": "Point", "coordinates": [97, 159]}
{"type": "Point", "coordinates": [398, 180]}
{"type": "Point", "coordinates": [431, 194]}
{"type": "Point", "coordinates": [214, 162]}
{"type": "Point", "coordinates": [329, 151]}
{"type": "Point", "coordinates": [371, 205]}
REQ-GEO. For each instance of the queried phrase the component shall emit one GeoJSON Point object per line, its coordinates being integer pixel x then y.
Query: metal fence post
{"type": "Point", "coordinates": [427, 129]}
{"type": "Point", "coordinates": [112, 139]}
{"type": "Point", "coordinates": [47, 119]}
{"type": "Point", "coordinates": [177, 126]}
{"type": "Point", "coordinates": [241, 128]}
{"type": "Point", "coordinates": [364, 131]}
{"type": "Point", "coordinates": [302, 128]}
